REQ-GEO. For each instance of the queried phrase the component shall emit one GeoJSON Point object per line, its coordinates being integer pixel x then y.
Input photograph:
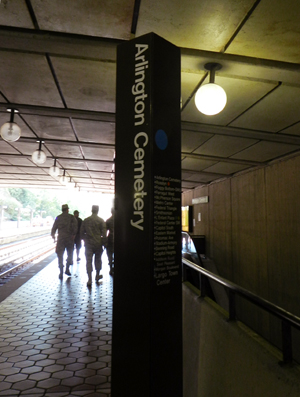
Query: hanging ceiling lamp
{"type": "Point", "coordinates": [39, 157]}
{"type": "Point", "coordinates": [10, 131]}
{"type": "Point", "coordinates": [71, 184]}
{"type": "Point", "coordinates": [211, 99]}
{"type": "Point", "coordinates": [54, 170]}
{"type": "Point", "coordinates": [63, 179]}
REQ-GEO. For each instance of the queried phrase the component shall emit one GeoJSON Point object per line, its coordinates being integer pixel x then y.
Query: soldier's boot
{"type": "Point", "coordinates": [98, 275]}
{"type": "Point", "coordinates": [61, 274]}
{"type": "Point", "coordinates": [67, 272]}
{"type": "Point", "coordinates": [89, 283]}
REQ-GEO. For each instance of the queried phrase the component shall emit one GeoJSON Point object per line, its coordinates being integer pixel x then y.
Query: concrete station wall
{"type": "Point", "coordinates": [252, 229]}
{"type": "Point", "coordinates": [227, 359]}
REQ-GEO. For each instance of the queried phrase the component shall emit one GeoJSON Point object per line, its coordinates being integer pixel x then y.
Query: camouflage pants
{"type": "Point", "coordinates": [90, 252]}
{"type": "Point", "coordinates": [61, 246]}
{"type": "Point", "coordinates": [110, 254]}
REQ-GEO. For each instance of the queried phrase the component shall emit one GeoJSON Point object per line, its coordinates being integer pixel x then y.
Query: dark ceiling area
{"type": "Point", "coordinates": [58, 69]}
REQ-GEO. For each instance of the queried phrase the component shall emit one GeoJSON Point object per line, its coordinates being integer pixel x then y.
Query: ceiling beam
{"type": "Point", "coordinates": [69, 143]}
{"type": "Point", "coordinates": [223, 159]}
{"type": "Point", "coordinates": [28, 156]}
{"type": "Point", "coordinates": [58, 112]}
{"type": "Point", "coordinates": [99, 48]}
{"type": "Point", "coordinates": [242, 133]}
{"type": "Point", "coordinates": [56, 43]}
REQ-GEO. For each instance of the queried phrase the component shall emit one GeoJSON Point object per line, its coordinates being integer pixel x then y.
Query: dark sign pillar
{"type": "Point", "coordinates": [147, 303]}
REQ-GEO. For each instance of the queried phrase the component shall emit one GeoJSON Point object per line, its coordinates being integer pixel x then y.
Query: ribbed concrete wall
{"type": "Point", "coordinates": [252, 229]}
{"type": "Point", "coordinates": [226, 359]}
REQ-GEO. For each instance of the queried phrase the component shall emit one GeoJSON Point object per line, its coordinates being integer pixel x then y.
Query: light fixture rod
{"type": "Point", "coordinates": [12, 113]}
{"type": "Point", "coordinates": [212, 67]}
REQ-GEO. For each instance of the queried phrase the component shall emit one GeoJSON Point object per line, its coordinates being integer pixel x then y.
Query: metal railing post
{"type": "Point", "coordinates": [202, 286]}
{"type": "Point", "coordinates": [232, 311]}
{"type": "Point", "coordinates": [287, 350]}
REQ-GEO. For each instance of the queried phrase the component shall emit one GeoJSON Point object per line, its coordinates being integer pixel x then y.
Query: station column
{"type": "Point", "coordinates": [147, 299]}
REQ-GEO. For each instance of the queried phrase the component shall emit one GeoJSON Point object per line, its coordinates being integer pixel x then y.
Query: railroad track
{"type": "Point", "coordinates": [16, 256]}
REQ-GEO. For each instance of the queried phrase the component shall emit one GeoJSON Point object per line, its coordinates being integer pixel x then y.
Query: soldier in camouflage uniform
{"type": "Point", "coordinates": [93, 232]}
{"type": "Point", "coordinates": [66, 225]}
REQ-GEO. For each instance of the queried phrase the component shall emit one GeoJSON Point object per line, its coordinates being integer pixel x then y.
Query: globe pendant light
{"type": "Point", "coordinates": [63, 179]}
{"type": "Point", "coordinates": [54, 170]}
{"type": "Point", "coordinates": [211, 99]}
{"type": "Point", "coordinates": [10, 131]}
{"type": "Point", "coordinates": [39, 157]}
{"type": "Point", "coordinates": [71, 184]}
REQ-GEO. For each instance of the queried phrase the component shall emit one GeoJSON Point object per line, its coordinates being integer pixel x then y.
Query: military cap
{"type": "Point", "coordinates": [64, 207]}
{"type": "Point", "coordinates": [95, 208]}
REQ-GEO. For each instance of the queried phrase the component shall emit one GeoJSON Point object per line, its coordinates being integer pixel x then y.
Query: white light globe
{"type": "Point", "coordinates": [10, 132]}
{"type": "Point", "coordinates": [210, 99]}
{"type": "Point", "coordinates": [54, 171]}
{"type": "Point", "coordinates": [39, 157]}
{"type": "Point", "coordinates": [63, 180]}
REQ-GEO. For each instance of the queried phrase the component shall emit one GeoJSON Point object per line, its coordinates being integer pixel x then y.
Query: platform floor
{"type": "Point", "coordinates": [55, 336]}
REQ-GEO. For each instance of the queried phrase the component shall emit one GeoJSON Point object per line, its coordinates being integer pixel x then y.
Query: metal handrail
{"type": "Point", "coordinates": [288, 319]}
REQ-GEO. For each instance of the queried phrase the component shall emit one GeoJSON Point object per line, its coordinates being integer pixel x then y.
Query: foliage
{"type": "Point", "coordinates": [46, 202]}
{"type": "Point", "coordinates": [37, 202]}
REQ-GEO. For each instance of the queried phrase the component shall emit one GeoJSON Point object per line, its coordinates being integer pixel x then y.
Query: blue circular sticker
{"type": "Point", "coordinates": [161, 139]}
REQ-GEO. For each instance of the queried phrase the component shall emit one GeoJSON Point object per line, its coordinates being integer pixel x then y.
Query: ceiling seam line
{"type": "Point", "coordinates": [56, 80]}
{"type": "Point", "coordinates": [223, 159]}
{"type": "Point", "coordinates": [193, 92]}
{"type": "Point", "coordinates": [255, 103]}
{"type": "Point", "coordinates": [135, 16]}
{"type": "Point", "coordinates": [32, 14]}
{"type": "Point", "coordinates": [241, 25]}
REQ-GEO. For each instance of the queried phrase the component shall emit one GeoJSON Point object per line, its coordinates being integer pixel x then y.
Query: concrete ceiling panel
{"type": "Point", "coordinates": [196, 164]}
{"type": "Point", "coordinates": [278, 110]}
{"type": "Point", "coordinates": [64, 150]}
{"type": "Point", "coordinates": [206, 25]}
{"type": "Point", "coordinates": [11, 169]}
{"type": "Point", "coordinates": [189, 81]}
{"type": "Point", "coordinates": [272, 32]}
{"type": "Point", "coordinates": [105, 18]}
{"type": "Point", "coordinates": [51, 127]}
{"type": "Point", "coordinates": [3, 162]}
{"type": "Point", "coordinates": [20, 161]}
{"type": "Point", "coordinates": [6, 178]}
{"type": "Point", "coordinates": [293, 130]}
{"type": "Point", "coordinates": [27, 148]}
{"type": "Point", "coordinates": [226, 168]}
{"type": "Point", "coordinates": [98, 153]}
{"type": "Point", "coordinates": [204, 177]}
{"type": "Point", "coordinates": [95, 131]}
{"type": "Point", "coordinates": [26, 78]}
{"type": "Point", "coordinates": [97, 166]}
{"type": "Point", "coordinates": [191, 140]}
{"type": "Point", "coordinates": [85, 84]}
{"type": "Point", "coordinates": [76, 166]}
{"type": "Point", "coordinates": [6, 148]}
{"type": "Point", "coordinates": [224, 146]}
{"type": "Point", "coordinates": [102, 175]}
{"type": "Point", "coordinates": [15, 13]}
{"type": "Point", "coordinates": [265, 151]}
